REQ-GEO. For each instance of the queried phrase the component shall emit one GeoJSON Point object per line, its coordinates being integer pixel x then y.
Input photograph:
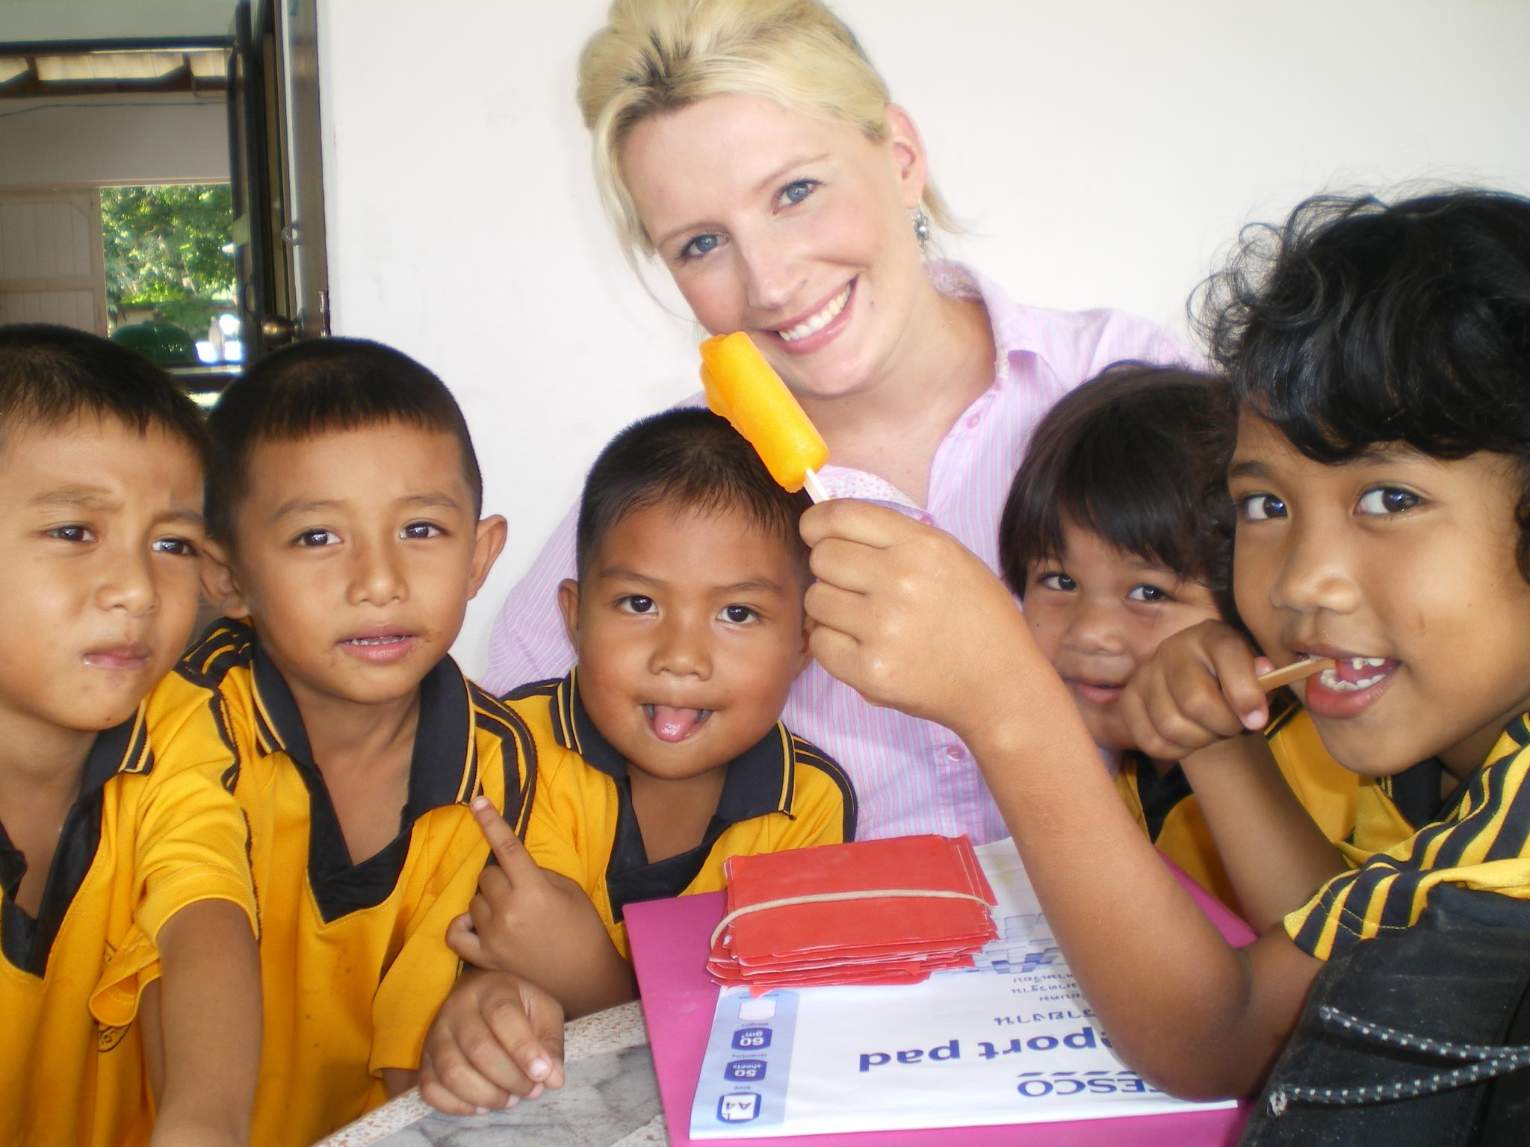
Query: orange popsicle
{"type": "Point", "coordinates": [741, 386]}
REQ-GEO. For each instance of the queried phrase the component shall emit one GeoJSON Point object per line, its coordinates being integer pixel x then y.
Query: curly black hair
{"type": "Point", "coordinates": [1358, 323]}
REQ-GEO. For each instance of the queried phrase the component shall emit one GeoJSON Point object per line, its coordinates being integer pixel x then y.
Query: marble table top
{"type": "Point", "coordinates": [610, 1098]}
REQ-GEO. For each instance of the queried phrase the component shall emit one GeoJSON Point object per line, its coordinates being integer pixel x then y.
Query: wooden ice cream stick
{"type": "Point", "coordinates": [1286, 674]}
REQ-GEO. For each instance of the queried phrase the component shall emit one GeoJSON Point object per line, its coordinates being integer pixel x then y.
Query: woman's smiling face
{"type": "Point", "coordinates": [792, 228]}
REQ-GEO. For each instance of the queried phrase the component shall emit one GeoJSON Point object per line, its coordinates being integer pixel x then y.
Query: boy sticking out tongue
{"type": "Point", "coordinates": [661, 753]}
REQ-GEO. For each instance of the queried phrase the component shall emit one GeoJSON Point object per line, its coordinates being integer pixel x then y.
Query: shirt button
{"type": "Point", "coordinates": [973, 420]}
{"type": "Point", "coordinates": [956, 753]}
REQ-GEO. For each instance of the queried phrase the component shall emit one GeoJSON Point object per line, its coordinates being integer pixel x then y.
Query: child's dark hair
{"type": "Point", "coordinates": [318, 387]}
{"type": "Point", "coordinates": [1360, 323]}
{"type": "Point", "coordinates": [1131, 456]}
{"type": "Point", "coordinates": [689, 458]}
{"type": "Point", "coordinates": [51, 374]}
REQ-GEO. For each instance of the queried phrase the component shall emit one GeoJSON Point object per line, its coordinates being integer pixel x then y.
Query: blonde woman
{"type": "Point", "coordinates": [750, 147]}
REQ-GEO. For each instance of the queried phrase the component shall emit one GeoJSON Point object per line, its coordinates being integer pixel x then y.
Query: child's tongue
{"type": "Point", "coordinates": [671, 724]}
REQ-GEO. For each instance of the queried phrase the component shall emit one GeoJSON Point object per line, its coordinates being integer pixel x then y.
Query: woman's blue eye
{"type": "Point", "coordinates": [699, 246]}
{"type": "Point", "coordinates": [1261, 507]}
{"type": "Point", "coordinates": [1387, 500]}
{"type": "Point", "coordinates": [796, 191]}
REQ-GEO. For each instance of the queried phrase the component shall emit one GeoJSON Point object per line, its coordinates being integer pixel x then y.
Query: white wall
{"type": "Point", "coordinates": [136, 139]}
{"type": "Point", "coordinates": [1102, 152]}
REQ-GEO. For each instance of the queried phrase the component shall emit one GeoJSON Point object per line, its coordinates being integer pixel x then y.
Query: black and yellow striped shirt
{"type": "Point", "coordinates": [353, 957]}
{"type": "Point", "coordinates": [780, 793]}
{"type": "Point", "coordinates": [1480, 839]}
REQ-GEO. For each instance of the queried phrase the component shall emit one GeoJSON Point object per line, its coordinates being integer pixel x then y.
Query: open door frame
{"type": "Point", "coordinates": [276, 166]}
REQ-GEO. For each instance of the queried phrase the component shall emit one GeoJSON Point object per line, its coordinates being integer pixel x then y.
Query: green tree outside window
{"type": "Point", "coordinates": [169, 247]}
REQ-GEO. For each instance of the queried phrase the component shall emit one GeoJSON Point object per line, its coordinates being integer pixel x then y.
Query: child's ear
{"type": "Point", "coordinates": [219, 582]}
{"type": "Point", "coordinates": [568, 603]}
{"type": "Point", "coordinates": [487, 545]}
{"type": "Point", "coordinates": [805, 656]}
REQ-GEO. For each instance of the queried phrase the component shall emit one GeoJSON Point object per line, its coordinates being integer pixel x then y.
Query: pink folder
{"type": "Point", "coordinates": [669, 950]}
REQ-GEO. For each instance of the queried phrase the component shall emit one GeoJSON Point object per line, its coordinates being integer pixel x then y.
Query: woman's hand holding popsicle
{"type": "Point", "coordinates": [910, 618]}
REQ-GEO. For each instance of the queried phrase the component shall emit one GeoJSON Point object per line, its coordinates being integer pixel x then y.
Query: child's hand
{"type": "Point", "coordinates": [1199, 688]}
{"type": "Point", "coordinates": [539, 925]}
{"type": "Point", "coordinates": [497, 1039]}
{"type": "Point", "coordinates": [516, 912]}
{"type": "Point", "coordinates": [911, 619]}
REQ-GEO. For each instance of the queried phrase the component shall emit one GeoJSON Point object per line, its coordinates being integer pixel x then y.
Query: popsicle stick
{"type": "Point", "coordinates": [1286, 674]}
{"type": "Point", "coordinates": [814, 486]}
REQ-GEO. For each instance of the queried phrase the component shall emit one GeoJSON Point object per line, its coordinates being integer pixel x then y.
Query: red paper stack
{"type": "Point", "coordinates": [874, 912]}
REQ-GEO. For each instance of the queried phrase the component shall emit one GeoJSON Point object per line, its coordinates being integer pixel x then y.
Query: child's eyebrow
{"type": "Point", "coordinates": [440, 499]}
{"type": "Point", "coordinates": [753, 585]}
{"type": "Point", "coordinates": [192, 516]}
{"type": "Point", "coordinates": [82, 497]}
{"type": "Point", "coordinates": [1247, 468]}
{"type": "Point", "coordinates": [316, 505]}
{"type": "Point", "coordinates": [1139, 564]}
{"type": "Point", "coordinates": [99, 501]}
{"type": "Point", "coordinates": [1382, 454]}
{"type": "Point", "coordinates": [303, 506]}
{"type": "Point", "coordinates": [626, 573]}
{"type": "Point", "coordinates": [1388, 452]}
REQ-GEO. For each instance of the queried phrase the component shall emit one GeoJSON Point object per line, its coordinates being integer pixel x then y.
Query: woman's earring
{"type": "Point", "coordinates": [921, 226]}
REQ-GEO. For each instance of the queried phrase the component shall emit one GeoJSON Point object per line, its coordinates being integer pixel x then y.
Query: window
{"type": "Point", "coordinates": [170, 274]}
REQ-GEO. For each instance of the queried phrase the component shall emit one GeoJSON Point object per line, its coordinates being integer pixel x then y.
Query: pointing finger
{"type": "Point", "coordinates": [508, 851]}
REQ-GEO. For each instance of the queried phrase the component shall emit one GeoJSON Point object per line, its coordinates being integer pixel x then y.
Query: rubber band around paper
{"type": "Point", "coordinates": [833, 897]}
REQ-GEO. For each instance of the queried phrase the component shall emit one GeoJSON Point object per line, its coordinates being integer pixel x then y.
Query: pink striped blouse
{"type": "Point", "coordinates": [911, 776]}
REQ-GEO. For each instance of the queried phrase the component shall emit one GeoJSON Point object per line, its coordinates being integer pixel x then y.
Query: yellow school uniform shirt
{"type": "Point", "coordinates": [1388, 810]}
{"type": "Point", "coordinates": [1479, 837]}
{"type": "Point", "coordinates": [780, 793]}
{"type": "Point", "coordinates": [145, 838]}
{"type": "Point", "coordinates": [1170, 814]}
{"type": "Point", "coordinates": [354, 962]}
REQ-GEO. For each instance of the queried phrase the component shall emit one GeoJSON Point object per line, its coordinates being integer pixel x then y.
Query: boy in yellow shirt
{"type": "Point", "coordinates": [344, 509]}
{"type": "Point", "coordinates": [662, 753]}
{"type": "Point", "coordinates": [129, 979]}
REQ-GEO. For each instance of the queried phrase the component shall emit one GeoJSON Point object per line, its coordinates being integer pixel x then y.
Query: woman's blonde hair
{"type": "Point", "coordinates": [656, 56]}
